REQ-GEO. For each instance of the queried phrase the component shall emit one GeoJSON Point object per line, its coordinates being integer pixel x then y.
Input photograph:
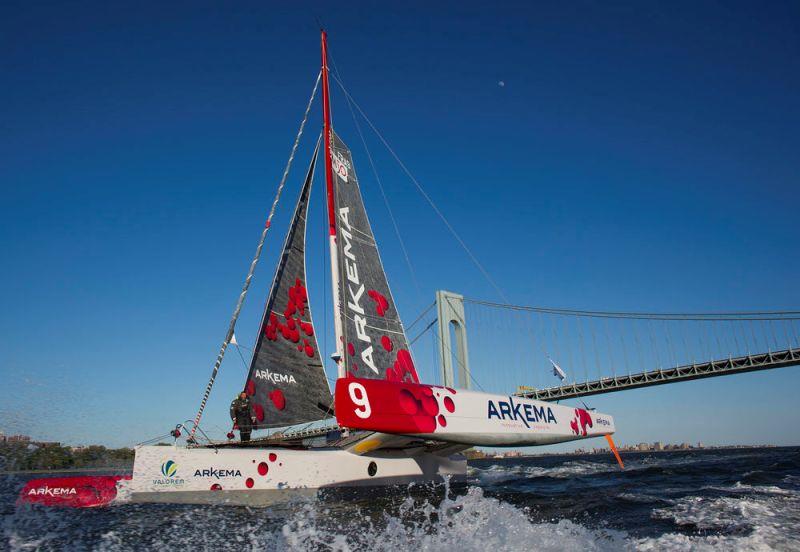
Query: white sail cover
{"type": "Point", "coordinates": [375, 345]}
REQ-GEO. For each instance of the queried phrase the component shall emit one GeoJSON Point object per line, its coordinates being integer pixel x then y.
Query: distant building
{"type": "Point", "coordinates": [700, 444]}
{"type": "Point", "coordinates": [471, 454]}
{"type": "Point", "coordinates": [685, 446]}
{"type": "Point", "coordinates": [18, 439]}
{"type": "Point", "coordinates": [643, 446]}
{"type": "Point", "coordinates": [658, 445]}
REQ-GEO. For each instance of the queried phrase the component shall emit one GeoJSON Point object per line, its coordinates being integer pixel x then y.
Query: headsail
{"type": "Point", "coordinates": [375, 344]}
{"type": "Point", "coordinates": [287, 382]}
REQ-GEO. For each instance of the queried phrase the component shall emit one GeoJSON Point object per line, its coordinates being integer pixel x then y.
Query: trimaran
{"type": "Point", "coordinates": [391, 428]}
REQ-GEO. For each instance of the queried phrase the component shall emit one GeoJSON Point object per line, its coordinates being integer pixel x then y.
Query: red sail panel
{"type": "Point", "coordinates": [375, 344]}
{"type": "Point", "coordinates": [287, 383]}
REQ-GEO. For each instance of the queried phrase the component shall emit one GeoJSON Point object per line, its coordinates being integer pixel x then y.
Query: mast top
{"type": "Point", "coordinates": [326, 115]}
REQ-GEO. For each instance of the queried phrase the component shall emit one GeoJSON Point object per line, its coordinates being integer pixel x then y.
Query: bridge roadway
{"type": "Point", "coordinates": [728, 366]}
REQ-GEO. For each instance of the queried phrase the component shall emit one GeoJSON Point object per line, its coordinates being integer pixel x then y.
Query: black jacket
{"type": "Point", "coordinates": [242, 413]}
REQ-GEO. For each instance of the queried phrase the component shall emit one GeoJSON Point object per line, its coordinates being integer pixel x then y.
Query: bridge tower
{"type": "Point", "coordinates": [452, 324]}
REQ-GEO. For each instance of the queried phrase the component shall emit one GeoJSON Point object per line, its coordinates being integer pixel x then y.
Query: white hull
{"type": "Point", "coordinates": [263, 475]}
{"type": "Point", "coordinates": [461, 416]}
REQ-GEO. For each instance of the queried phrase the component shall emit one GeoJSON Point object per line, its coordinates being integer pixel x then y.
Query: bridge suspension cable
{"type": "Point", "coordinates": [516, 348]}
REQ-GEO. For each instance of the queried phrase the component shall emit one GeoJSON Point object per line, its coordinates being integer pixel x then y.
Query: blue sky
{"type": "Point", "coordinates": [639, 156]}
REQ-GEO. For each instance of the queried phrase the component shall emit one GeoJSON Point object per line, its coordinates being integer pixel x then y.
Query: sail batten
{"type": "Point", "coordinates": [286, 380]}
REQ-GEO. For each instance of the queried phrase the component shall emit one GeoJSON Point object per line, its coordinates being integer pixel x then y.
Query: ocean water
{"type": "Point", "coordinates": [738, 499]}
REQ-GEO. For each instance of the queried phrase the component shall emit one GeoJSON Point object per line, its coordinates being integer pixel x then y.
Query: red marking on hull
{"type": "Point", "coordinates": [272, 456]}
{"type": "Point", "coordinates": [249, 482]}
{"type": "Point", "coordinates": [216, 487]}
{"type": "Point", "coordinates": [581, 420]}
{"type": "Point", "coordinates": [263, 468]}
{"type": "Point", "coordinates": [87, 491]}
{"type": "Point", "coordinates": [258, 410]}
{"type": "Point", "coordinates": [250, 388]}
{"type": "Point", "coordinates": [396, 407]}
{"type": "Point", "coordinates": [408, 402]}
{"type": "Point", "coordinates": [387, 343]}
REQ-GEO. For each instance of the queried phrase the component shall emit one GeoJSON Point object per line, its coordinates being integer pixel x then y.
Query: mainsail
{"type": "Point", "coordinates": [287, 382]}
{"type": "Point", "coordinates": [374, 342]}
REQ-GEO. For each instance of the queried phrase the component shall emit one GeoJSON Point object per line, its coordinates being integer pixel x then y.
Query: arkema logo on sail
{"type": "Point", "coordinates": [525, 413]}
{"type": "Point", "coordinates": [274, 377]}
{"type": "Point", "coordinates": [217, 473]}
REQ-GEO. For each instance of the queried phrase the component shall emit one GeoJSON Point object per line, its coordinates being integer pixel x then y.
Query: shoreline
{"type": "Point", "coordinates": [115, 469]}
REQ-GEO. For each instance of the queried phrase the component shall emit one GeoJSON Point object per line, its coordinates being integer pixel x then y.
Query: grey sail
{"type": "Point", "coordinates": [375, 344]}
{"type": "Point", "coordinates": [287, 382]}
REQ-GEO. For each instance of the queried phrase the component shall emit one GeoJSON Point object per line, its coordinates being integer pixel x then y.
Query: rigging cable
{"type": "Point", "coordinates": [338, 77]}
{"type": "Point", "coordinates": [424, 194]}
{"type": "Point", "coordinates": [248, 279]}
{"type": "Point", "coordinates": [734, 315]}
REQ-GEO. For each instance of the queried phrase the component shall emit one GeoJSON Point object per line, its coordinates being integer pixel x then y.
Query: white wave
{"type": "Point", "coordinates": [762, 518]}
{"type": "Point", "coordinates": [740, 487]}
{"type": "Point", "coordinates": [497, 472]}
{"type": "Point", "coordinates": [759, 540]}
{"type": "Point", "coordinates": [643, 498]}
{"type": "Point", "coordinates": [470, 522]}
{"type": "Point", "coordinates": [715, 513]}
{"type": "Point", "coordinates": [504, 471]}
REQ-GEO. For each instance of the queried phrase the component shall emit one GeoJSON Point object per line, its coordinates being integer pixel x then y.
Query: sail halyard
{"type": "Point", "coordinates": [286, 381]}
{"type": "Point", "coordinates": [339, 340]}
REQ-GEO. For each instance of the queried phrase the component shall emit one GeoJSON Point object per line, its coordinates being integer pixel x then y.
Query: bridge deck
{"type": "Point", "coordinates": [749, 363]}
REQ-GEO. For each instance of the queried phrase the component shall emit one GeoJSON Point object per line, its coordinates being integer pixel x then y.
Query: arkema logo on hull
{"type": "Point", "coordinates": [53, 491]}
{"type": "Point", "coordinates": [217, 473]}
{"type": "Point", "coordinates": [525, 413]}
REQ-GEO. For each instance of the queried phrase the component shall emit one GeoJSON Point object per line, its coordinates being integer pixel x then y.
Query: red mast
{"type": "Point", "coordinates": [326, 114]}
{"type": "Point", "coordinates": [334, 250]}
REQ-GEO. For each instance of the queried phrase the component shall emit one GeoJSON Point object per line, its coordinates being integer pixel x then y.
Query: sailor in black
{"type": "Point", "coordinates": [242, 415]}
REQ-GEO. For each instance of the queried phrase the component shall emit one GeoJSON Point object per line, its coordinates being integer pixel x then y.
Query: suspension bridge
{"type": "Point", "coordinates": [552, 354]}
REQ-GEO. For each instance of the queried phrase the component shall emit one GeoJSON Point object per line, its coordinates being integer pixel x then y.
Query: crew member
{"type": "Point", "coordinates": [242, 415]}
